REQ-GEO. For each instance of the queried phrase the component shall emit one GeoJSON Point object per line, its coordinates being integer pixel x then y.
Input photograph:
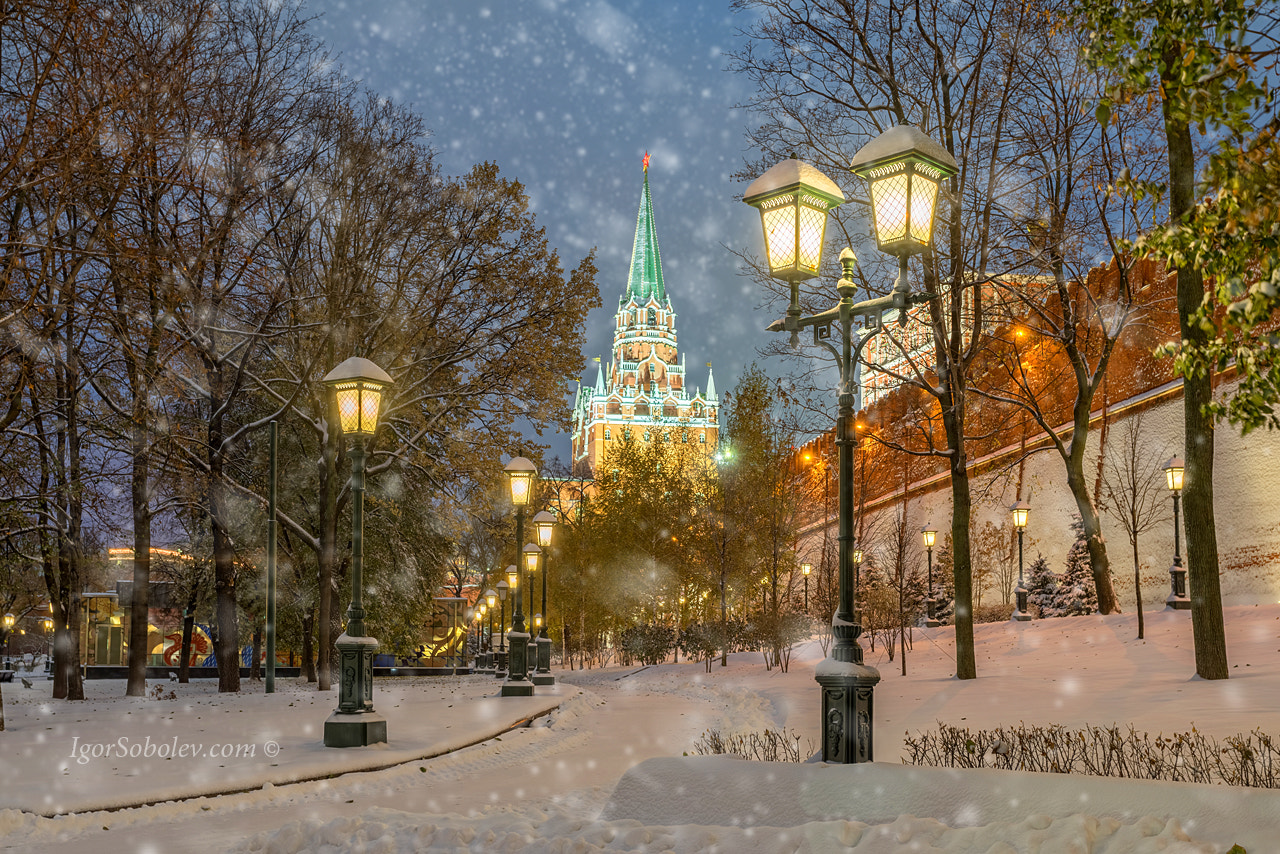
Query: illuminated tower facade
{"type": "Point", "coordinates": [641, 390]}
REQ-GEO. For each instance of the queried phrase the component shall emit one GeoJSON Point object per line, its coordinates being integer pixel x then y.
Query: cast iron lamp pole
{"type": "Point", "coordinates": [1178, 599]}
{"type": "Point", "coordinates": [9, 620]}
{"type": "Point", "coordinates": [520, 473]}
{"type": "Point", "coordinates": [805, 569]}
{"type": "Point", "coordinates": [357, 386]}
{"type": "Point", "coordinates": [531, 556]}
{"type": "Point", "coordinates": [544, 523]}
{"type": "Point", "coordinates": [929, 536]}
{"type": "Point", "coordinates": [490, 601]}
{"type": "Point", "coordinates": [904, 169]}
{"type": "Point", "coordinates": [504, 589]}
{"type": "Point", "coordinates": [1020, 510]}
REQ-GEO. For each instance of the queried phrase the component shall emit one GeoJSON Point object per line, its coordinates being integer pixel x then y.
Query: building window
{"type": "Point", "coordinates": [653, 317]}
{"type": "Point", "coordinates": [607, 435]}
{"type": "Point", "coordinates": [646, 435]}
{"type": "Point", "coordinates": [684, 436]}
{"type": "Point", "coordinates": [702, 439]}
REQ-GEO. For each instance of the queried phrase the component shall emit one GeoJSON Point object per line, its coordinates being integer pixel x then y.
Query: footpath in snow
{"type": "Point", "coordinates": [183, 741]}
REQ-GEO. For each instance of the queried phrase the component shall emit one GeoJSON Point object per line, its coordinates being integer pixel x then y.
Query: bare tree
{"type": "Point", "coordinates": [1132, 491]}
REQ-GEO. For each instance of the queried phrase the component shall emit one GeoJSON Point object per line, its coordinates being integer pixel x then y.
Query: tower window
{"type": "Point", "coordinates": [607, 435]}
{"type": "Point", "coordinates": [702, 439]}
{"type": "Point", "coordinates": [653, 317]}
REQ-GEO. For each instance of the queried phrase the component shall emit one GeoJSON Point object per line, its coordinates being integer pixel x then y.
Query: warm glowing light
{"type": "Point", "coordinates": [1173, 473]}
{"type": "Point", "coordinates": [531, 555]}
{"type": "Point", "coordinates": [513, 577]}
{"type": "Point", "coordinates": [856, 554]}
{"type": "Point", "coordinates": [793, 199]}
{"type": "Point", "coordinates": [491, 597]}
{"type": "Point", "coordinates": [1020, 511]}
{"type": "Point", "coordinates": [806, 568]}
{"type": "Point", "coordinates": [928, 536]}
{"type": "Point", "coordinates": [520, 472]}
{"type": "Point", "coordinates": [357, 387]}
{"type": "Point", "coordinates": [544, 522]}
{"type": "Point", "coordinates": [905, 170]}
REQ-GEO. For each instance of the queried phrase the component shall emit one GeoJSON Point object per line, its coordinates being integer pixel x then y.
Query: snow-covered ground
{"type": "Point", "coordinates": [604, 770]}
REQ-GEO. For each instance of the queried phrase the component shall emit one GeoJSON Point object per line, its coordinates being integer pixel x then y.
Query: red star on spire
{"type": "Point", "coordinates": [646, 161]}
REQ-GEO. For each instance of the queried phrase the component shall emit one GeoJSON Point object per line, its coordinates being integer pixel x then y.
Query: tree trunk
{"type": "Point", "coordinates": [1137, 580]}
{"type": "Point", "coordinates": [308, 645]}
{"type": "Point", "coordinates": [138, 608]}
{"type": "Point", "coordinates": [962, 567]}
{"type": "Point", "coordinates": [1099, 563]}
{"type": "Point", "coordinates": [1207, 630]}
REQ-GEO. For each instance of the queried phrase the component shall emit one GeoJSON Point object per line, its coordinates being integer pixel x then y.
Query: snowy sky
{"type": "Point", "coordinates": [566, 96]}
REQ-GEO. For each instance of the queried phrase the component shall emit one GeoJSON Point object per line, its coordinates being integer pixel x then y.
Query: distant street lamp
{"type": "Point", "coordinates": [500, 663]}
{"type": "Point", "coordinates": [544, 522]}
{"type": "Point", "coordinates": [520, 472]}
{"type": "Point", "coordinates": [1020, 510]}
{"type": "Point", "coordinates": [928, 535]}
{"type": "Point", "coordinates": [357, 385]}
{"type": "Point", "coordinates": [490, 601]}
{"type": "Point", "coordinates": [9, 620]}
{"type": "Point", "coordinates": [904, 169]}
{"type": "Point", "coordinates": [805, 569]}
{"type": "Point", "coordinates": [1178, 599]}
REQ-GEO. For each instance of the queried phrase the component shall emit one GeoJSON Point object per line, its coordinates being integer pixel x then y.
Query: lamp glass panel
{"type": "Point", "coordinates": [856, 554]}
{"type": "Point", "coordinates": [813, 220]}
{"type": "Point", "coordinates": [490, 597]}
{"type": "Point", "coordinates": [544, 534]}
{"type": "Point", "coordinates": [889, 204]}
{"type": "Point", "coordinates": [1020, 517]}
{"type": "Point", "coordinates": [513, 580]}
{"type": "Point", "coordinates": [370, 401]}
{"type": "Point", "coordinates": [1174, 477]}
{"type": "Point", "coordinates": [520, 483]}
{"type": "Point", "coordinates": [924, 195]}
{"type": "Point", "coordinates": [929, 538]}
{"type": "Point", "coordinates": [805, 568]}
{"type": "Point", "coordinates": [348, 395]}
{"type": "Point", "coordinates": [530, 561]}
{"type": "Point", "coordinates": [780, 234]}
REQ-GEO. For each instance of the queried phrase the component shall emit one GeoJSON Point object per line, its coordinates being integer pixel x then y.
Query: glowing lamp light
{"type": "Point", "coordinates": [537, 621]}
{"type": "Point", "coordinates": [905, 170]}
{"type": "Point", "coordinates": [544, 522]}
{"type": "Point", "coordinates": [793, 199]}
{"type": "Point", "coordinates": [531, 555]}
{"type": "Point", "coordinates": [513, 577]}
{"type": "Point", "coordinates": [806, 568]}
{"type": "Point", "coordinates": [928, 536]}
{"type": "Point", "coordinates": [9, 620]}
{"type": "Point", "coordinates": [357, 388]}
{"type": "Point", "coordinates": [1020, 510]}
{"type": "Point", "coordinates": [1173, 473]}
{"type": "Point", "coordinates": [520, 472]}
{"type": "Point", "coordinates": [856, 554]}
{"type": "Point", "coordinates": [491, 597]}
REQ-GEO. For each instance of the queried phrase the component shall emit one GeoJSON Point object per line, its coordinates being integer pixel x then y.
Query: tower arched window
{"type": "Point", "coordinates": [653, 317]}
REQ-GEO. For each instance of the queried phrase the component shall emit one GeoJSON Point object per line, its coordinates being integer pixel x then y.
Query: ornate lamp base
{"type": "Point", "coordinates": [543, 676]}
{"type": "Point", "coordinates": [354, 723]}
{"type": "Point", "coordinates": [1178, 599]}
{"type": "Point", "coordinates": [1020, 613]}
{"type": "Point", "coordinates": [518, 684]}
{"type": "Point", "coordinates": [846, 710]}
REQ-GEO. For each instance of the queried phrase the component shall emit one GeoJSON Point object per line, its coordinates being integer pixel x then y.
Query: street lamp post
{"type": "Point", "coordinates": [520, 473]}
{"type": "Point", "coordinates": [500, 663]}
{"type": "Point", "coordinates": [1020, 510]}
{"type": "Point", "coordinates": [805, 569]}
{"type": "Point", "coordinates": [490, 601]}
{"type": "Point", "coordinates": [9, 620]}
{"type": "Point", "coordinates": [357, 386]}
{"type": "Point", "coordinates": [544, 524]}
{"type": "Point", "coordinates": [532, 556]}
{"type": "Point", "coordinates": [904, 169]}
{"type": "Point", "coordinates": [929, 536]}
{"type": "Point", "coordinates": [1178, 599]}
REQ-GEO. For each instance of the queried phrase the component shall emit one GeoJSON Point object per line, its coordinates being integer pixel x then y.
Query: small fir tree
{"type": "Point", "coordinates": [1042, 586]}
{"type": "Point", "coordinates": [1076, 593]}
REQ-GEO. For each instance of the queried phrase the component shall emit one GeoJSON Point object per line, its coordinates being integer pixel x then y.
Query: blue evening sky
{"type": "Point", "coordinates": [566, 96]}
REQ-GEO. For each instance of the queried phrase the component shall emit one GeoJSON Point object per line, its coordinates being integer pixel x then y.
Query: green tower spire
{"type": "Point", "coordinates": [645, 279]}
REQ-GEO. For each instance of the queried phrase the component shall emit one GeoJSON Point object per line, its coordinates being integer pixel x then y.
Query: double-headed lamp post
{"type": "Point", "coordinates": [1020, 510]}
{"type": "Point", "coordinates": [929, 536]}
{"type": "Point", "coordinates": [357, 385]}
{"type": "Point", "coordinates": [805, 569]}
{"type": "Point", "coordinates": [1178, 599]}
{"type": "Point", "coordinates": [544, 522]}
{"type": "Point", "coordinates": [520, 473]}
{"type": "Point", "coordinates": [904, 169]}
